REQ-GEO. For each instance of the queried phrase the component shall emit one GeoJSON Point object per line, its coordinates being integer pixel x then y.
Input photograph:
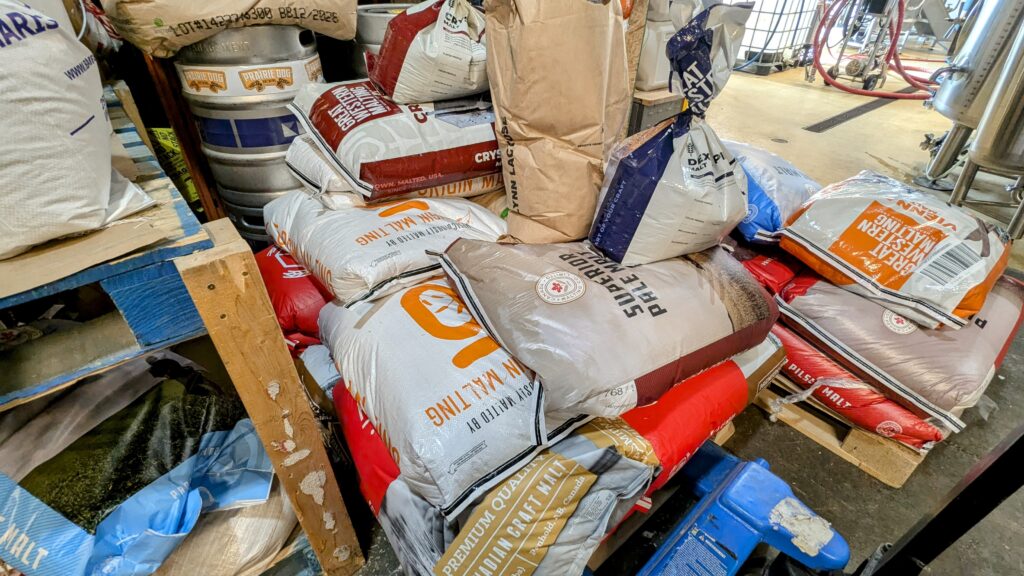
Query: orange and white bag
{"type": "Point", "coordinates": [457, 413]}
{"type": "Point", "coordinates": [309, 166]}
{"type": "Point", "coordinates": [365, 252]}
{"type": "Point", "coordinates": [914, 254]}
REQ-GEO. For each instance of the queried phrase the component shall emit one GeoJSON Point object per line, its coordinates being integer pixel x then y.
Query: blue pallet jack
{"type": "Point", "coordinates": [740, 505]}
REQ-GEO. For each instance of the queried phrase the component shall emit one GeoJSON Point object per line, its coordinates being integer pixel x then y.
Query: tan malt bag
{"type": "Point", "coordinates": [162, 27]}
{"type": "Point", "coordinates": [561, 96]}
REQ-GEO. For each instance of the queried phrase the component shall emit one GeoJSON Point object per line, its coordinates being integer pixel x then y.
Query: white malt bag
{"type": "Point", "coordinates": [912, 253]}
{"type": "Point", "coordinates": [365, 252]}
{"type": "Point", "coordinates": [457, 413]}
{"type": "Point", "coordinates": [675, 189]}
{"type": "Point", "coordinates": [433, 51]}
{"type": "Point", "coordinates": [384, 150]}
{"type": "Point", "coordinates": [309, 165]}
{"type": "Point", "coordinates": [55, 152]}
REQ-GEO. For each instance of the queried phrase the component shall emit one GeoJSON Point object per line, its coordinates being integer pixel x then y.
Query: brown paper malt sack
{"type": "Point", "coordinates": [561, 96]}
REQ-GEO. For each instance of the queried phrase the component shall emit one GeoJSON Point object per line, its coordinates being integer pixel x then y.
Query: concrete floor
{"type": "Point", "coordinates": [772, 112]}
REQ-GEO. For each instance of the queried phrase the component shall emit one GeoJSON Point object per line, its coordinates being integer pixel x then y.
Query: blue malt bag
{"type": "Point", "coordinates": [775, 190]}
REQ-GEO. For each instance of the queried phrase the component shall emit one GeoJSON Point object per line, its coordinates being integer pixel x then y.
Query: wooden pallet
{"type": "Point", "coordinates": [886, 460]}
{"type": "Point", "coordinates": [130, 261]}
{"type": "Point", "coordinates": [651, 107]}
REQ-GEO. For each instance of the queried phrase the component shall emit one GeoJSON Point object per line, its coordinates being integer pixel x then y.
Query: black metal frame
{"type": "Point", "coordinates": [991, 481]}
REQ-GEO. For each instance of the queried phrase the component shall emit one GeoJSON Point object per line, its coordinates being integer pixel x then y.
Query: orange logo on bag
{"type": "Point", "coordinates": [399, 207]}
{"type": "Point", "coordinates": [886, 244]}
{"type": "Point", "coordinates": [438, 310]}
{"type": "Point", "coordinates": [398, 225]}
{"type": "Point", "coordinates": [212, 80]}
{"type": "Point", "coordinates": [261, 78]}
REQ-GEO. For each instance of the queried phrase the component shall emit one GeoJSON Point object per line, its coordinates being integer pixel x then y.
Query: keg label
{"type": "Point", "coordinates": [199, 79]}
{"type": "Point", "coordinates": [246, 80]}
{"type": "Point", "coordinates": [259, 79]}
{"type": "Point", "coordinates": [314, 70]}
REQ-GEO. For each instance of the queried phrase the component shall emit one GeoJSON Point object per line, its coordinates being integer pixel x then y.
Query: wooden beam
{"type": "Point", "coordinates": [168, 89]}
{"type": "Point", "coordinates": [227, 290]}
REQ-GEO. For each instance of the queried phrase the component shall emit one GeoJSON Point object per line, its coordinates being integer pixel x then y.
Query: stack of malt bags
{"type": "Point", "coordinates": [483, 379]}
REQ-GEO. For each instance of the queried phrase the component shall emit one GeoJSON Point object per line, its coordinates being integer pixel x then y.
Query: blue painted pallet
{"type": "Point", "coordinates": [154, 309]}
{"type": "Point", "coordinates": [184, 234]}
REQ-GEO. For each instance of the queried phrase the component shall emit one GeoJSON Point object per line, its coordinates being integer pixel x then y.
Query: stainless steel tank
{"type": "Point", "coordinates": [999, 144]}
{"type": "Point", "coordinates": [371, 25]}
{"type": "Point", "coordinates": [974, 69]}
{"type": "Point", "coordinates": [237, 84]}
{"type": "Point", "coordinates": [966, 91]}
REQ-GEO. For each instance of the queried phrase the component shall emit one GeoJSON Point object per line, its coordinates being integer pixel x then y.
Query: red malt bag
{"type": "Point", "coordinates": [383, 149]}
{"type": "Point", "coordinates": [696, 409]}
{"type": "Point", "coordinates": [434, 50]}
{"type": "Point", "coordinates": [850, 397]}
{"type": "Point", "coordinates": [601, 337]}
{"type": "Point", "coordinates": [773, 268]}
{"type": "Point", "coordinates": [932, 373]}
{"type": "Point", "coordinates": [295, 294]}
{"type": "Point", "coordinates": [927, 260]}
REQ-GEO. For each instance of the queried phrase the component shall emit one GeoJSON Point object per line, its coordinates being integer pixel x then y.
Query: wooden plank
{"type": "Point", "coordinates": [124, 95]}
{"type": "Point", "coordinates": [725, 434]}
{"type": "Point", "coordinates": [154, 302]}
{"type": "Point", "coordinates": [55, 362]}
{"type": "Point", "coordinates": [885, 460]}
{"type": "Point", "coordinates": [24, 277]}
{"type": "Point", "coordinates": [655, 97]}
{"type": "Point", "coordinates": [226, 287]}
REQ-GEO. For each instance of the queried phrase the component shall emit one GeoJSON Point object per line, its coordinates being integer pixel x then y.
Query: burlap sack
{"type": "Point", "coordinates": [162, 27]}
{"type": "Point", "coordinates": [561, 96]}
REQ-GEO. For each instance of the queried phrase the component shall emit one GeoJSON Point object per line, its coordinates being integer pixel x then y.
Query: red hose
{"type": "Point", "coordinates": [828, 21]}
